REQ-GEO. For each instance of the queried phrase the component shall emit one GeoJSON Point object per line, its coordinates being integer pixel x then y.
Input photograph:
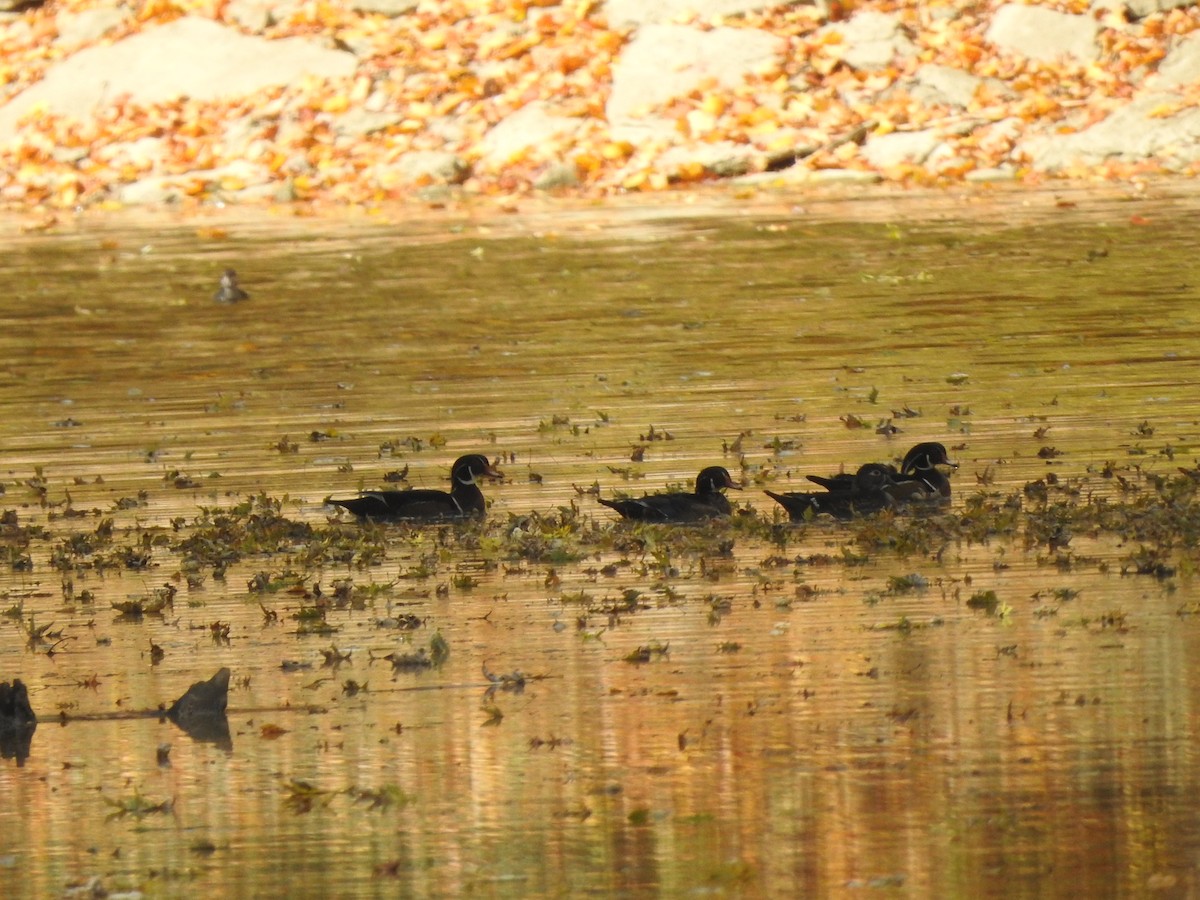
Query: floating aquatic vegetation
{"type": "Point", "coordinates": [302, 797]}
{"type": "Point", "coordinates": [335, 657]}
{"type": "Point", "coordinates": [905, 625]}
{"type": "Point", "coordinates": [550, 743]}
{"type": "Point", "coordinates": [494, 714]}
{"type": "Point", "coordinates": [647, 652]}
{"type": "Point", "coordinates": [138, 806]}
{"type": "Point", "coordinates": [439, 648]}
{"type": "Point", "coordinates": [410, 662]}
{"type": "Point", "coordinates": [380, 798]}
{"type": "Point", "coordinates": [310, 619]}
{"type": "Point", "coordinates": [421, 659]}
{"type": "Point", "coordinates": [218, 538]}
{"type": "Point", "coordinates": [1115, 619]}
{"type": "Point", "coordinates": [1148, 561]}
{"type": "Point", "coordinates": [287, 581]}
{"type": "Point", "coordinates": [654, 434]}
{"type": "Point", "coordinates": [357, 596]}
{"type": "Point", "coordinates": [557, 537]}
{"type": "Point", "coordinates": [987, 601]}
{"type": "Point", "coordinates": [902, 584]}
{"type": "Point", "coordinates": [71, 553]}
{"type": "Point", "coordinates": [406, 622]}
{"type": "Point", "coordinates": [505, 681]}
{"type": "Point", "coordinates": [150, 604]}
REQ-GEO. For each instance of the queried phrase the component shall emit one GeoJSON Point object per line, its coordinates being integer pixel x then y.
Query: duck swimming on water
{"type": "Point", "coordinates": [918, 478]}
{"type": "Point", "coordinates": [464, 500]}
{"type": "Point", "coordinates": [229, 290]}
{"type": "Point", "coordinates": [706, 503]}
{"type": "Point", "coordinates": [922, 465]}
{"type": "Point", "coordinates": [864, 492]}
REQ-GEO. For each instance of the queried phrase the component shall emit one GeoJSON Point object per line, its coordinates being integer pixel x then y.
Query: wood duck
{"type": "Point", "coordinates": [918, 477]}
{"type": "Point", "coordinates": [919, 471]}
{"type": "Point", "coordinates": [230, 291]}
{"type": "Point", "coordinates": [706, 503]}
{"type": "Point", "coordinates": [463, 500]}
{"type": "Point", "coordinates": [865, 492]}
{"type": "Point", "coordinates": [846, 481]}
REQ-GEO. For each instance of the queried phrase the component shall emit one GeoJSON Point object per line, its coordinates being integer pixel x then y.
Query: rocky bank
{"type": "Point", "coordinates": [379, 100]}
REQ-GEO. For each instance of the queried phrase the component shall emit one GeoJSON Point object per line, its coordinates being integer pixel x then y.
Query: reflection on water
{"type": "Point", "coordinates": [747, 709]}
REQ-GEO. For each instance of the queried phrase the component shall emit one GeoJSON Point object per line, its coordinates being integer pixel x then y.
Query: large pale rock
{"type": "Point", "coordinates": [190, 57]}
{"type": "Point", "coordinates": [531, 126]}
{"type": "Point", "coordinates": [1139, 9]}
{"type": "Point", "coordinates": [871, 40]}
{"type": "Point", "coordinates": [900, 147]}
{"type": "Point", "coordinates": [1139, 130]}
{"type": "Point", "coordinates": [357, 122]}
{"type": "Point", "coordinates": [945, 85]}
{"type": "Point", "coordinates": [390, 8]}
{"type": "Point", "coordinates": [557, 177]}
{"type": "Point", "coordinates": [1182, 65]}
{"type": "Point", "coordinates": [255, 15]}
{"type": "Point", "coordinates": [667, 61]}
{"type": "Point", "coordinates": [142, 154]}
{"type": "Point", "coordinates": [154, 190]}
{"type": "Point", "coordinates": [723, 158]}
{"type": "Point", "coordinates": [87, 26]}
{"type": "Point", "coordinates": [643, 12]}
{"type": "Point", "coordinates": [1044, 34]}
{"type": "Point", "coordinates": [428, 167]}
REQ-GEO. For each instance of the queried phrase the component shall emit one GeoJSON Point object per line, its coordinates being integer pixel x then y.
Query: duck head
{"type": "Point", "coordinates": [872, 477]}
{"type": "Point", "coordinates": [469, 469]}
{"type": "Point", "coordinates": [714, 479]}
{"type": "Point", "coordinates": [926, 456]}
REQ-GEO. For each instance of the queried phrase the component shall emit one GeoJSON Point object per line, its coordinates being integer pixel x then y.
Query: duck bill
{"type": "Point", "coordinates": [732, 485]}
{"type": "Point", "coordinates": [492, 472]}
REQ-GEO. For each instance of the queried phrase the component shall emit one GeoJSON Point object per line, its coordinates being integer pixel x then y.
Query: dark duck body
{"type": "Point", "coordinates": [706, 503]}
{"type": "Point", "coordinates": [464, 500]}
{"type": "Point", "coordinates": [844, 482]}
{"type": "Point", "coordinates": [863, 493]}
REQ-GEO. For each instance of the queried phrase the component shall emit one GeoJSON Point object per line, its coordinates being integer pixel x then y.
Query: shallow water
{"type": "Point", "coordinates": [801, 725]}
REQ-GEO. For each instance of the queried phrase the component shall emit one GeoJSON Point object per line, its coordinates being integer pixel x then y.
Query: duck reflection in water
{"type": "Point", "coordinates": [200, 712]}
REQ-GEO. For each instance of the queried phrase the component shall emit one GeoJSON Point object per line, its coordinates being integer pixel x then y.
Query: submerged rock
{"type": "Point", "coordinates": [15, 711]}
{"type": "Point", "coordinates": [204, 698]}
{"type": "Point", "coordinates": [200, 712]}
{"type": "Point", "coordinates": [17, 721]}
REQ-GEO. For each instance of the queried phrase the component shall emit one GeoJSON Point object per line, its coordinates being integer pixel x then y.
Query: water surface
{"type": "Point", "coordinates": [802, 722]}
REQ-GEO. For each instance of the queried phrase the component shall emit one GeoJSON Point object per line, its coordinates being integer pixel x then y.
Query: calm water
{"type": "Point", "coordinates": [800, 725]}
